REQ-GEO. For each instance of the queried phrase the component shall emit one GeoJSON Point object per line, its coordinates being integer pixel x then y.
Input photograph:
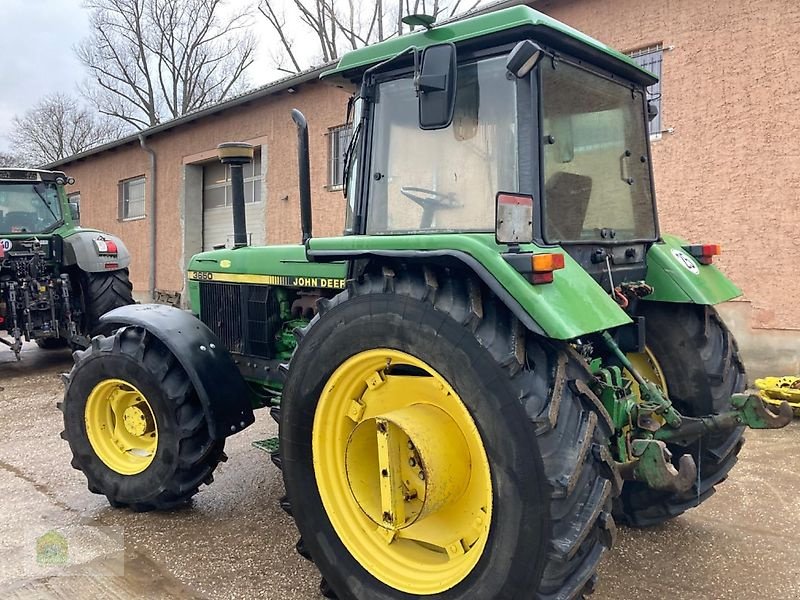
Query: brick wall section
{"type": "Point", "coordinates": [730, 172]}
{"type": "Point", "coordinates": [97, 177]}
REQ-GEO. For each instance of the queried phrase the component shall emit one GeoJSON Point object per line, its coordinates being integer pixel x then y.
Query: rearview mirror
{"type": "Point", "coordinates": [514, 218]}
{"type": "Point", "coordinates": [652, 110]}
{"type": "Point", "coordinates": [436, 86]}
{"type": "Point", "coordinates": [75, 211]}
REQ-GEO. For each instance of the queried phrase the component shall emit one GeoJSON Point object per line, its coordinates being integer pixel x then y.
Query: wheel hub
{"type": "Point", "coordinates": [415, 458]}
{"type": "Point", "coordinates": [138, 420]}
{"type": "Point", "coordinates": [121, 426]}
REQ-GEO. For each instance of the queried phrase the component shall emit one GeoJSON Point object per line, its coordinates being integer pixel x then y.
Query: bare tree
{"type": "Point", "coordinates": [11, 160]}
{"type": "Point", "coordinates": [58, 127]}
{"type": "Point", "coordinates": [340, 26]}
{"type": "Point", "coordinates": [152, 60]}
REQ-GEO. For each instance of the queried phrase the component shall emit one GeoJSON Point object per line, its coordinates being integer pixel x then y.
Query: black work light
{"type": "Point", "coordinates": [523, 58]}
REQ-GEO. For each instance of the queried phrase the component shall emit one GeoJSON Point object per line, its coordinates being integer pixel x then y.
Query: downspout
{"type": "Point", "coordinates": [151, 152]}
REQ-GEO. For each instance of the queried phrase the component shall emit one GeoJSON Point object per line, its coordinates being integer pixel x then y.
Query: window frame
{"type": "Point", "coordinates": [226, 183]}
{"type": "Point", "coordinates": [524, 117]}
{"type": "Point", "coordinates": [123, 203]}
{"type": "Point", "coordinates": [539, 225]}
{"type": "Point", "coordinates": [336, 176]}
{"type": "Point", "coordinates": [653, 92]}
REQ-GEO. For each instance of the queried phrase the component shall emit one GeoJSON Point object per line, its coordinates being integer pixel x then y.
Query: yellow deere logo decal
{"type": "Point", "coordinates": [277, 280]}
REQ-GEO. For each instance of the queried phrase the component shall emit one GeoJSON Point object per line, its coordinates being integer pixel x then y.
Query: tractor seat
{"type": "Point", "coordinates": [567, 196]}
{"type": "Point", "coordinates": [18, 221]}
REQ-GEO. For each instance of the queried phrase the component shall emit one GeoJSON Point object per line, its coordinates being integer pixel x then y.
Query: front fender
{"type": "Point", "coordinates": [677, 277]}
{"type": "Point", "coordinates": [222, 390]}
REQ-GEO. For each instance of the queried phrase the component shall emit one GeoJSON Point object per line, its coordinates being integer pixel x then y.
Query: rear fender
{"type": "Point", "coordinates": [572, 306]}
{"type": "Point", "coordinates": [677, 277]}
{"type": "Point", "coordinates": [222, 390]}
{"type": "Point", "coordinates": [85, 249]}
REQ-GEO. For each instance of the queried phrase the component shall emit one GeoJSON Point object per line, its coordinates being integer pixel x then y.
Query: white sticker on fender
{"type": "Point", "coordinates": [5, 245]}
{"type": "Point", "coordinates": [686, 261]}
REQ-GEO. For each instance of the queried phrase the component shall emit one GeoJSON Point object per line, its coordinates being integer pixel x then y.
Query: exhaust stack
{"type": "Point", "coordinates": [303, 173]}
{"type": "Point", "coordinates": [236, 154]}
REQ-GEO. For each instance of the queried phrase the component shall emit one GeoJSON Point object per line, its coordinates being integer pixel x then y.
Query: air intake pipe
{"type": "Point", "coordinates": [236, 154]}
{"type": "Point", "coordinates": [304, 173]}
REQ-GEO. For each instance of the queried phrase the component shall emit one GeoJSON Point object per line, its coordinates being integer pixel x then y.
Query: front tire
{"type": "Point", "coordinates": [135, 424]}
{"type": "Point", "coordinates": [700, 362]}
{"type": "Point", "coordinates": [540, 434]}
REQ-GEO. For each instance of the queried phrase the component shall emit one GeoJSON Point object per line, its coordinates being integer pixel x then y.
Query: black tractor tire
{"type": "Point", "coordinates": [102, 292]}
{"type": "Point", "coordinates": [52, 343]}
{"type": "Point", "coordinates": [544, 432]}
{"type": "Point", "coordinates": [186, 455]}
{"type": "Point", "coordinates": [700, 361]}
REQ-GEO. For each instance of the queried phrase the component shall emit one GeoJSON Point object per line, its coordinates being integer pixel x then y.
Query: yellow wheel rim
{"type": "Point", "coordinates": [121, 426]}
{"type": "Point", "coordinates": [402, 471]}
{"type": "Point", "coordinates": [649, 368]}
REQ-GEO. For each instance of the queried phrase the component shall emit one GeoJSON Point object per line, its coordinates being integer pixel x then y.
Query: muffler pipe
{"type": "Point", "coordinates": [304, 173]}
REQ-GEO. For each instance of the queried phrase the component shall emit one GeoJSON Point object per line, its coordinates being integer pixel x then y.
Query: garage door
{"type": "Point", "coordinates": [217, 210]}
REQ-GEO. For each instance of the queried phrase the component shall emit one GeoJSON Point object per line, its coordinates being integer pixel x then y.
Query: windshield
{"type": "Point", "coordinates": [28, 207]}
{"type": "Point", "coordinates": [443, 180]}
{"type": "Point", "coordinates": [596, 167]}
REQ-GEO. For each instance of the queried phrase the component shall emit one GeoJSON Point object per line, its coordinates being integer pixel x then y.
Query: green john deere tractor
{"type": "Point", "coordinates": [501, 356]}
{"type": "Point", "coordinates": [56, 277]}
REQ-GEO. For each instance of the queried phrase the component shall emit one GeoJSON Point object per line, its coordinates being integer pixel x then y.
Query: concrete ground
{"type": "Point", "coordinates": [234, 542]}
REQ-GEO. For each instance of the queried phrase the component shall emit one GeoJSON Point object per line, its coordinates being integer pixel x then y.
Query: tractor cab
{"type": "Point", "coordinates": [30, 202]}
{"type": "Point", "coordinates": [443, 132]}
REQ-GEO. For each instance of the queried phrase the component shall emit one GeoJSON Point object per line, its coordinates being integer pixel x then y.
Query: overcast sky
{"type": "Point", "coordinates": [36, 38]}
{"type": "Point", "coordinates": [36, 53]}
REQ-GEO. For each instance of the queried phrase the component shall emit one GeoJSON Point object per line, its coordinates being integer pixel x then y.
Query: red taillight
{"type": "Point", "coordinates": [543, 266]}
{"type": "Point", "coordinates": [111, 266]}
{"type": "Point", "coordinates": [704, 253]}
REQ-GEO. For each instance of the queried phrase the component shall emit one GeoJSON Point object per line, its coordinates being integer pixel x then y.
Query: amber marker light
{"type": "Point", "coordinates": [704, 253]}
{"type": "Point", "coordinates": [544, 265]}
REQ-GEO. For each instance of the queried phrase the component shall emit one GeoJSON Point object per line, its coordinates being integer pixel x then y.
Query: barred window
{"type": "Point", "coordinates": [339, 139]}
{"type": "Point", "coordinates": [650, 58]}
{"type": "Point", "coordinates": [131, 199]}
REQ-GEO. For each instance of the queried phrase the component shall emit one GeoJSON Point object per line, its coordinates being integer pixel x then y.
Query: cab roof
{"type": "Point", "coordinates": [548, 30]}
{"type": "Point", "coordinates": [17, 174]}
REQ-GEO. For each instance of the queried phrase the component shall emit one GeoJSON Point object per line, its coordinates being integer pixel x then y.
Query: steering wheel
{"type": "Point", "coordinates": [430, 201]}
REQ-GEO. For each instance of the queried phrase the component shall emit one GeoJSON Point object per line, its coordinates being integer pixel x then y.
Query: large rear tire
{"type": "Point", "coordinates": [535, 438]}
{"type": "Point", "coordinates": [700, 362]}
{"type": "Point", "coordinates": [102, 292]}
{"type": "Point", "coordinates": [135, 424]}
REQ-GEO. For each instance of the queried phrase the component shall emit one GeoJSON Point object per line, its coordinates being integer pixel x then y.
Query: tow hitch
{"type": "Point", "coordinates": [645, 425]}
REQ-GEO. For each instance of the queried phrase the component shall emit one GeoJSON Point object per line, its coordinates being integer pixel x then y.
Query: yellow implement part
{"type": "Point", "coordinates": [774, 390]}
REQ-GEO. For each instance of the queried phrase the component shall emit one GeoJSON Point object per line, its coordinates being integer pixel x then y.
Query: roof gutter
{"type": "Point", "coordinates": [152, 211]}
